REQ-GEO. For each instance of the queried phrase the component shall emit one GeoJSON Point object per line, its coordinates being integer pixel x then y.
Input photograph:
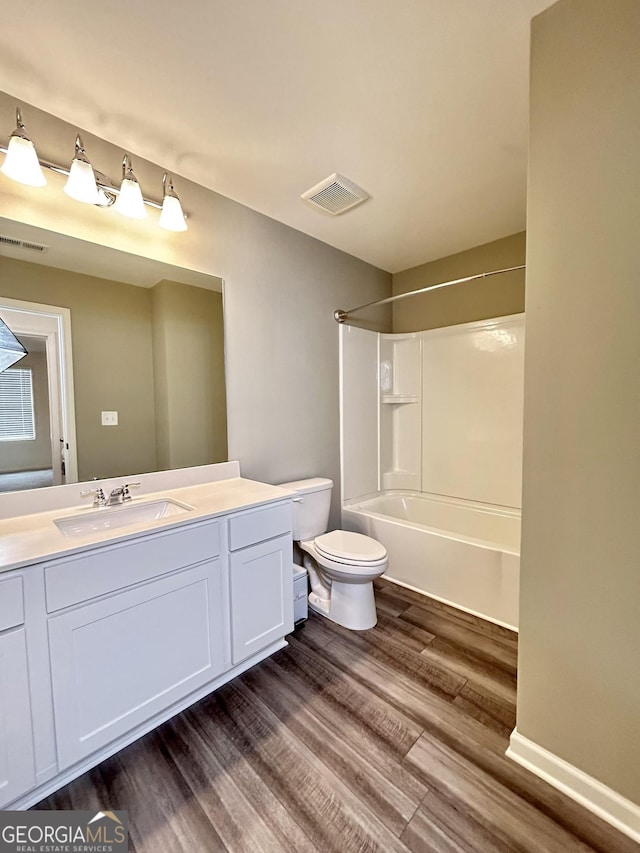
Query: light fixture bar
{"type": "Point", "coordinates": [102, 185]}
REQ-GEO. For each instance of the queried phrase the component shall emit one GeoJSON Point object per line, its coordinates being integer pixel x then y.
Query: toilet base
{"type": "Point", "coordinates": [351, 605]}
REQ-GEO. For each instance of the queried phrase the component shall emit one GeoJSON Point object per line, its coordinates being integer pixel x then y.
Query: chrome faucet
{"type": "Point", "coordinates": [121, 494]}
{"type": "Point", "coordinates": [98, 496]}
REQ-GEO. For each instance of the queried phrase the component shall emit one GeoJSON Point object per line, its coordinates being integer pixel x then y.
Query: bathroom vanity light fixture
{"type": "Point", "coordinates": [81, 183]}
{"type": "Point", "coordinates": [130, 202]}
{"type": "Point", "coordinates": [21, 163]}
{"type": "Point", "coordinates": [172, 217]}
{"type": "Point", "coordinates": [86, 184]}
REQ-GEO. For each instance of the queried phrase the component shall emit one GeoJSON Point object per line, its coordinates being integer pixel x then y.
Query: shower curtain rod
{"type": "Point", "coordinates": [340, 316]}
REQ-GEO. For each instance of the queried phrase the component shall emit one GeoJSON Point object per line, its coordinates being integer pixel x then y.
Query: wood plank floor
{"type": "Point", "coordinates": [385, 740]}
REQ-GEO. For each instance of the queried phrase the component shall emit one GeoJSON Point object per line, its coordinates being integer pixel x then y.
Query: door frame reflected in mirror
{"type": "Point", "coordinates": [53, 323]}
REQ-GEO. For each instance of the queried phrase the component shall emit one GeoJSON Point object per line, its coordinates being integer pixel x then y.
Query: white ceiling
{"type": "Point", "coordinates": [423, 103]}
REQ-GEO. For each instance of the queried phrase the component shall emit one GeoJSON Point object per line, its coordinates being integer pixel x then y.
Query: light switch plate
{"type": "Point", "coordinates": [109, 419]}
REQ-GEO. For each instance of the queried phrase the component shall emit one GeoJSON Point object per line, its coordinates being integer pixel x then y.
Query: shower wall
{"type": "Point", "coordinates": [358, 412]}
{"type": "Point", "coordinates": [438, 411]}
{"type": "Point", "coordinates": [473, 383]}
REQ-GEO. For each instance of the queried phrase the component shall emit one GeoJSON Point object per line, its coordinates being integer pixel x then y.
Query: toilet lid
{"type": "Point", "coordinates": [344, 546]}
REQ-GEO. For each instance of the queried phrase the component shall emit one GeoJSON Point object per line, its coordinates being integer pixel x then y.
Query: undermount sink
{"type": "Point", "coordinates": [110, 518]}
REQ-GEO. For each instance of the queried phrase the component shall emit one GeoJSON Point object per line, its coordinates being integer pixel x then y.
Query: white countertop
{"type": "Point", "coordinates": [34, 538]}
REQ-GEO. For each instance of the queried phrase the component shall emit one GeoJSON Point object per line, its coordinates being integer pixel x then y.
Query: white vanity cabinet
{"type": "Point", "coordinates": [105, 641]}
{"type": "Point", "coordinates": [132, 641]}
{"type": "Point", "coordinates": [17, 767]}
{"type": "Point", "coordinates": [260, 578]}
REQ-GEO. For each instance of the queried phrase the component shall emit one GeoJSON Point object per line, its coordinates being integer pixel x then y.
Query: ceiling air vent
{"type": "Point", "coordinates": [336, 194]}
{"type": "Point", "coordinates": [22, 244]}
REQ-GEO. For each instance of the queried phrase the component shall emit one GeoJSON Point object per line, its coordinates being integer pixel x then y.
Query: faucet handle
{"type": "Point", "coordinates": [99, 498]}
{"type": "Point", "coordinates": [125, 490]}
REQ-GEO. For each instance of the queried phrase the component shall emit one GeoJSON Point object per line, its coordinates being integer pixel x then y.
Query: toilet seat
{"type": "Point", "coordinates": [351, 549]}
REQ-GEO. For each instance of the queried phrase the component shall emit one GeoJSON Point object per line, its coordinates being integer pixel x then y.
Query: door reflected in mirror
{"type": "Point", "coordinates": [147, 347]}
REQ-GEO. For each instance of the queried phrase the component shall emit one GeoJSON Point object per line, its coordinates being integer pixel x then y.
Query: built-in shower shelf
{"type": "Point", "coordinates": [395, 399]}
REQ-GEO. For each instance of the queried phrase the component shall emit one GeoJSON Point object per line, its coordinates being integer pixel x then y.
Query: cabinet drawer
{"type": "Point", "coordinates": [113, 567]}
{"type": "Point", "coordinates": [247, 528]}
{"type": "Point", "coordinates": [11, 603]}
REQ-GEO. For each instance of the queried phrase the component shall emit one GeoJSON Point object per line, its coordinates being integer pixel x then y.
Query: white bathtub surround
{"type": "Point", "coordinates": [463, 553]}
{"type": "Point", "coordinates": [438, 413]}
{"type": "Point", "coordinates": [589, 792]}
{"type": "Point", "coordinates": [358, 411]}
{"type": "Point", "coordinates": [473, 386]}
{"type": "Point", "coordinates": [400, 411]}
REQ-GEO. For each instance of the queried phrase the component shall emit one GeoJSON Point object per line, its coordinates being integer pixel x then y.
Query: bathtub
{"type": "Point", "coordinates": [463, 553]}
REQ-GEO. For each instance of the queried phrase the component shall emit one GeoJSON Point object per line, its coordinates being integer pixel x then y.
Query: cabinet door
{"type": "Point", "coordinates": [17, 770]}
{"type": "Point", "coordinates": [119, 661]}
{"type": "Point", "coordinates": [261, 581]}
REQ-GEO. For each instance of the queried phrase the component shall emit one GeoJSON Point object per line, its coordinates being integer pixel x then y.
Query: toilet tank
{"type": "Point", "coordinates": [310, 507]}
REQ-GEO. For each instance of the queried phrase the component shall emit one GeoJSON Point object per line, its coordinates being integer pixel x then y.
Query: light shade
{"type": "Point", "coordinates": [21, 162]}
{"type": "Point", "coordinates": [172, 217]}
{"type": "Point", "coordinates": [11, 350]}
{"type": "Point", "coordinates": [130, 202]}
{"type": "Point", "coordinates": [81, 183]}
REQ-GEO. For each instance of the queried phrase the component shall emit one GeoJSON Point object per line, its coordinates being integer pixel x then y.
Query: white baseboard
{"type": "Point", "coordinates": [593, 795]}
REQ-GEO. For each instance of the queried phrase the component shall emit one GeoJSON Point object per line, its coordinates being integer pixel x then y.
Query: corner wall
{"type": "Point", "coordinates": [578, 683]}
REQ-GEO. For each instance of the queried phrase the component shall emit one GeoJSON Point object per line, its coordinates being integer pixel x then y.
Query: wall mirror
{"type": "Point", "coordinates": [125, 366]}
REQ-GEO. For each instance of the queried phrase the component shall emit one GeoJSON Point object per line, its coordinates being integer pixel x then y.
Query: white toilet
{"type": "Point", "coordinates": [341, 565]}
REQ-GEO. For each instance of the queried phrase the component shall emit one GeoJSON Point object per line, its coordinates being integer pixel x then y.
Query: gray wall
{"type": "Point", "coordinates": [282, 350]}
{"type": "Point", "coordinates": [188, 359]}
{"type": "Point", "coordinates": [281, 288]}
{"type": "Point", "coordinates": [496, 296]}
{"type": "Point", "coordinates": [578, 682]}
